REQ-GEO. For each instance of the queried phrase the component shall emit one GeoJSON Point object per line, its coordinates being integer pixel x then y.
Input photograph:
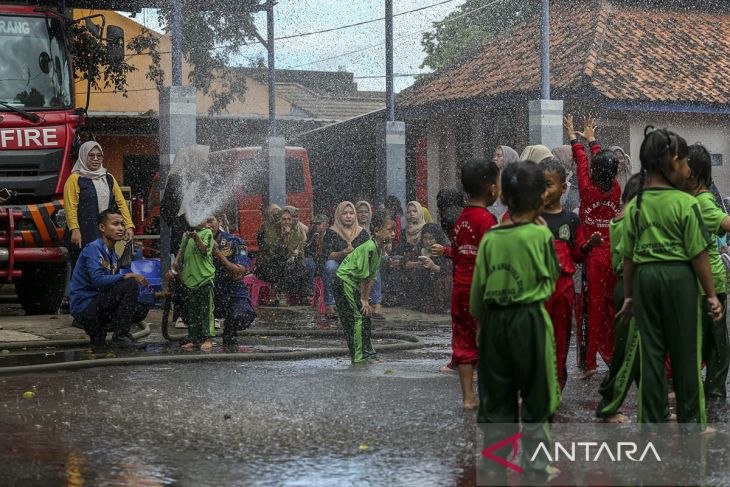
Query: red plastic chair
{"type": "Point", "coordinates": [258, 289]}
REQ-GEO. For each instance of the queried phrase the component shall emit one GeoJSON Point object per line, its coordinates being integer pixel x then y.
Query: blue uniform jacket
{"type": "Point", "coordinates": [234, 249]}
{"type": "Point", "coordinates": [96, 270]}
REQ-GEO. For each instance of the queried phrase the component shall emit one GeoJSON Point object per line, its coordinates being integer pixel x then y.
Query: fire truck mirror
{"type": "Point", "coordinates": [44, 61]}
{"type": "Point", "coordinates": [115, 44]}
{"type": "Point", "coordinates": [93, 29]}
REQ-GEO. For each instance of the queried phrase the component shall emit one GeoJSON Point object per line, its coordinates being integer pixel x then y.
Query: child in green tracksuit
{"type": "Point", "coordinates": [664, 246]}
{"type": "Point", "coordinates": [624, 367]}
{"type": "Point", "coordinates": [715, 348]}
{"type": "Point", "coordinates": [515, 273]}
{"type": "Point", "coordinates": [354, 283]}
{"type": "Point", "coordinates": [195, 266]}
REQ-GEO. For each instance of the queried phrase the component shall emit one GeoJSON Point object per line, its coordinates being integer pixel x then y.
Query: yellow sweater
{"type": "Point", "coordinates": [71, 202]}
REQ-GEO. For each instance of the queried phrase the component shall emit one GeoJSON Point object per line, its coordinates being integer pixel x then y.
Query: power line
{"type": "Point", "coordinates": [364, 22]}
{"type": "Point", "coordinates": [380, 45]}
{"type": "Point", "coordinates": [402, 75]}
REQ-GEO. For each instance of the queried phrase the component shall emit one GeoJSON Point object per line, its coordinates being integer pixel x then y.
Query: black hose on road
{"type": "Point", "coordinates": [411, 342]}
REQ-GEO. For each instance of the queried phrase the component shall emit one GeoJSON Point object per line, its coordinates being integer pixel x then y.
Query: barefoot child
{"type": "Point", "coordinates": [563, 224]}
{"type": "Point", "coordinates": [624, 366]}
{"type": "Point", "coordinates": [354, 283]}
{"type": "Point", "coordinates": [197, 271]}
{"type": "Point", "coordinates": [664, 246]}
{"type": "Point", "coordinates": [600, 197]}
{"type": "Point", "coordinates": [479, 179]}
{"type": "Point", "coordinates": [715, 348]}
{"type": "Point", "coordinates": [515, 273]}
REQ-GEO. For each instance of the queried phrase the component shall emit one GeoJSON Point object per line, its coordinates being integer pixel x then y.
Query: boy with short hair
{"type": "Point", "coordinates": [564, 227]}
{"type": "Point", "coordinates": [480, 181]}
{"type": "Point", "coordinates": [354, 284]}
{"type": "Point", "coordinates": [194, 264]}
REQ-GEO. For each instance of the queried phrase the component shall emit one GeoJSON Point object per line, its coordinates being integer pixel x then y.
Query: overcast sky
{"type": "Point", "coordinates": [298, 16]}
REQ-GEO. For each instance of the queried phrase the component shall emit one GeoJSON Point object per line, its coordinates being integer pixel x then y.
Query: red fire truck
{"type": "Point", "coordinates": [39, 129]}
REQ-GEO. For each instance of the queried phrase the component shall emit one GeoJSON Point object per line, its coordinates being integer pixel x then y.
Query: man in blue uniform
{"type": "Point", "coordinates": [232, 301]}
{"type": "Point", "coordinates": [101, 298]}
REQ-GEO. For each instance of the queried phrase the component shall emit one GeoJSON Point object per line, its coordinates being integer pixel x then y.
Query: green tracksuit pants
{"type": "Point", "coordinates": [715, 350]}
{"type": "Point", "coordinates": [624, 367]}
{"type": "Point", "coordinates": [667, 310]}
{"type": "Point", "coordinates": [357, 328]}
{"type": "Point", "coordinates": [198, 312]}
{"type": "Point", "coordinates": [517, 356]}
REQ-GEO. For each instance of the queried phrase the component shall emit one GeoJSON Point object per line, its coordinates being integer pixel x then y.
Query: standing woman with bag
{"type": "Point", "coordinates": [89, 190]}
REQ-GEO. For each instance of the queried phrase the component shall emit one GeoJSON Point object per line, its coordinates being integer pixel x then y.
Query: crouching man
{"type": "Point", "coordinates": [101, 298]}
{"type": "Point", "coordinates": [232, 301]}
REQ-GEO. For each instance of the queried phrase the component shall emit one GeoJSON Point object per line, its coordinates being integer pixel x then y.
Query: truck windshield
{"type": "Point", "coordinates": [35, 72]}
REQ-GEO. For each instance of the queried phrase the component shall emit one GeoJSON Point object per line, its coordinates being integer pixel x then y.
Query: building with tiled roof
{"type": "Point", "coordinates": [628, 65]}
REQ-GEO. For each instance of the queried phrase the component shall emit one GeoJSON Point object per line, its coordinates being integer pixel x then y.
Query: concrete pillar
{"type": "Point", "coordinates": [395, 160]}
{"type": "Point", "coordinates": [432, 155]}
{"type": "Point", "coordinates": [546, 123]}
{"type": "Point", "coordinates": [177, 130]}
{"type": "Point", "coordinates": [277, 170]}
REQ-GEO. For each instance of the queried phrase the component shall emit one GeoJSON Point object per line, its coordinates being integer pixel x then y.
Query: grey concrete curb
{"type": "Point", "coordinates": [80, 342]}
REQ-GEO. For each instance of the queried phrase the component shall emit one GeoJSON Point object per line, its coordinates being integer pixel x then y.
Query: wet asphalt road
{"type": "Point", "coordinates": [313, 422]}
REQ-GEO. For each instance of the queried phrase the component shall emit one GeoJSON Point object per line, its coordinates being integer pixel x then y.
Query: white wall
{"type": "Point", "coordinates": [713, 132]}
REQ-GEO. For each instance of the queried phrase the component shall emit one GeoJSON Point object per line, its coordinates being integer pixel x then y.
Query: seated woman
{"type": "Point", "coordinates": [429, 284]}
{"type": "Point", "coordinates": [344, 236]}
{"type": "Point", "coordinates": [405, 257]}
{"type": "Point", "coordinates": [281, 258]}
{"type": "Point", "coordinates": [364, 217]}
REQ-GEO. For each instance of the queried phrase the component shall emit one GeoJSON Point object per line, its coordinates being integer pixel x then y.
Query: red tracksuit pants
{"type": "Point", "coordinates": [463, 328]}
{"type": "Point", "coordinates": [560, 309]}
{"type": "Point", "coordinates": [596, 310]}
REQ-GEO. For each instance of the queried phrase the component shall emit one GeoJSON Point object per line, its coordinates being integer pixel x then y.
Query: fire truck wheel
{"type": "Point", "coordinates": [41, 288]}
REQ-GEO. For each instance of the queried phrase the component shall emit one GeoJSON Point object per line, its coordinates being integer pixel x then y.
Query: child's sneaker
{"type": "Point", "coordinates": [217, 324]}
{"type": "Point", "coordinates": [180, 324]}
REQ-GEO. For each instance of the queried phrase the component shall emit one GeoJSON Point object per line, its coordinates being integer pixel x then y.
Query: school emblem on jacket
{"type": "Point", "coordinates": [564, 232]}
{"type": "Point", "coordinates": [225, 247]}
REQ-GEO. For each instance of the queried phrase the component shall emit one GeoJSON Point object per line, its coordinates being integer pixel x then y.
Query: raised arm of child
{"type": "Point", "coordinates": [579, 153]}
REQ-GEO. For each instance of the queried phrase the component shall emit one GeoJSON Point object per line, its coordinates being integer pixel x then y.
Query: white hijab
{"type": "Point", "coordinates": [97, 177]}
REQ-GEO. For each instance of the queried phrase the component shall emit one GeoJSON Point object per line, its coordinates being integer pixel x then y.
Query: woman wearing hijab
{"type": "Point", "coordinates": [280, 260]}
{"type": "Point", "coordinates": [405, 257]}
{"type": "Point", "coordinates": [503, 155]}
{"type": "Point", "coordinates": [89, 190]}
{"type": "Point", "coordinates": [344, 236]}
{"type": "Point", "coordinates": [296, 222]}
{"type": "Point", "coordinates": [430, 283]}
{"type": "Point", "coordinates": [535, 153]}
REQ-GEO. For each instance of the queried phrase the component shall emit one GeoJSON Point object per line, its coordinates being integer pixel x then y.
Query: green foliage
{"type": "Point", "coordinates": [467, 29]}
{"type": "Point", "coordinates": [209, 40]}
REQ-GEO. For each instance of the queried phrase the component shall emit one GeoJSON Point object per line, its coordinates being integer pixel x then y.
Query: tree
{"type": "Point", "coordinates": [468, 28]}
{"type": "Point", "coordinates": [209, 41]}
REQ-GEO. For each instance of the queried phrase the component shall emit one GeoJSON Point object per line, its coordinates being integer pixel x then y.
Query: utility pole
{"type": "Point", "coordinates": [276, 145]}
{"type": "Point", "coordinates": [395, 132]}
{"type": "Point", "coordinates": [177, 122]}
{"type": "Point", "coordinates": [546, 115]}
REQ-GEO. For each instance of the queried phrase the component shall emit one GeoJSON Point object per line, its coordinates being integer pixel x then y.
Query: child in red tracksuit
{"type": "Point", "coordinates": [479, 178]}
{"type": "Point", "coordinates": [600, 197]}
{"type": "Point", "coordinates": [564, 226]}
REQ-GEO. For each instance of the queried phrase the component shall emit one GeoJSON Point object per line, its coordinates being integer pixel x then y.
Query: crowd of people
{"type": "Point", "coordinates": [650, 301]}
{"type": "Point", "coordinates": [292, 257]}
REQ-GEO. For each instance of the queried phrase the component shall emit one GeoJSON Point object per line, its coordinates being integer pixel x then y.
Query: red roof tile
{"type": "Point", "coordinates": [624, 53]}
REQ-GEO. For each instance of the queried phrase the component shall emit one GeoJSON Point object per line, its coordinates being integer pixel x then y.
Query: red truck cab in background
{"type": "Point", "coordinates": [39, 126]}
{"type": "Point", "coordinates": [246, 205]}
